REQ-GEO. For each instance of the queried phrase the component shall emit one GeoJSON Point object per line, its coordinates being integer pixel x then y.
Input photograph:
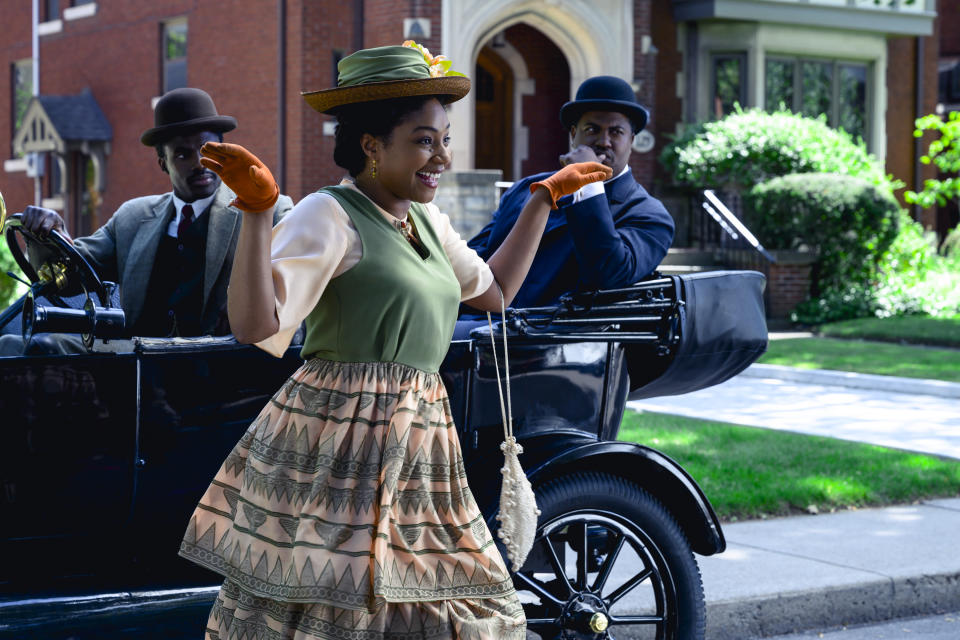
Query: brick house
{"type": "Point", "coordinates": [870, 66]}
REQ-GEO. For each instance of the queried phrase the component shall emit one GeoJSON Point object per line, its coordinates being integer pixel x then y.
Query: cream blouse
{"type": "Point", "coordinates": [316, 242]}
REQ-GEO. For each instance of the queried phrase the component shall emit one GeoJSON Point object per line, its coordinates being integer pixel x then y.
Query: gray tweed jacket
{"type": "Point", "coordinates": [123, 250]}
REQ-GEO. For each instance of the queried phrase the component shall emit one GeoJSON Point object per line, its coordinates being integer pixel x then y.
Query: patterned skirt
{"type": "Point", "coordinates": [344, 512]}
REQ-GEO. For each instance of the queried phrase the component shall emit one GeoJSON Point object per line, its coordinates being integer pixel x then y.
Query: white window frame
{"type": "Point", "coordinates": [759, 40]}
{"type": "Point", "coordinates": [834, 116]}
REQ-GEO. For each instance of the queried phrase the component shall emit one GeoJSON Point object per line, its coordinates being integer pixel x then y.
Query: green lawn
{"type": "Point", "coordinates": [748, 472]}
{"type": "Point", "coordinates": [910, 329]}
{"type": "Point", "coordinates": [881, 358]}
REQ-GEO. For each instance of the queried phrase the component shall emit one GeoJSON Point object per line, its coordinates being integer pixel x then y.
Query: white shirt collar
{"type": "Point", "coordinates": [626, 168]}
{"type": "Point", "coordinates": [199, 206]}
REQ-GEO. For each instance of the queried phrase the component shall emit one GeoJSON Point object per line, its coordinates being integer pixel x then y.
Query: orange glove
{"type": "Point", "coordinates": [243, 172]}
{"type": "Point", "coordinates": [569, 179]}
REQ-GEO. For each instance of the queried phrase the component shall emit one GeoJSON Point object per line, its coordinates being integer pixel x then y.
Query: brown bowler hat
{"type": "Point", "coordinates": [182, 111]}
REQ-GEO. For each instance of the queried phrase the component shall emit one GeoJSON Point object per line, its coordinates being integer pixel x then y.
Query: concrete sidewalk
{"type": "Point", "coordinates": [814, 572]}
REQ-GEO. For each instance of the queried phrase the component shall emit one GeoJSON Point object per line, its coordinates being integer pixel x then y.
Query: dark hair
{"type": "Point", "coordinates": [378, 118]}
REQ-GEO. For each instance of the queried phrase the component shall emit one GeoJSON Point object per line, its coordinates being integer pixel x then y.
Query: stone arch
{"type": "Point", "coordinates": [595, 36]}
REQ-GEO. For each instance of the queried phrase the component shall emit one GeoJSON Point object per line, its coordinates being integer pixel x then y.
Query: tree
{"type": "Point", "coordinates": [944, 152]}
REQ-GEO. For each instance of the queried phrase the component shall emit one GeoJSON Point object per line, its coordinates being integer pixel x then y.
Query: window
{"type": "Point", "coordinates": [852, 115]}
{"type": "Point", "coordinates": [338, 55]}
{"type": "Point", "coordinates": [174, 55]}
{"type": "Point", "coordinates": [729, 72]}
{"type": "Point", "coordinates": [813, 87]}
{"type": "Point", "coordinates": [21, 91]}
{"type": "Point", "coordinates": [52, 8]}
{"type": "Point", "coordinates": [949, 82]}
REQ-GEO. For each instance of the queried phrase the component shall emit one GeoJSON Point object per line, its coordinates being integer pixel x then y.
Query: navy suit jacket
{"type": "Point", "coordinates": [597, 243]}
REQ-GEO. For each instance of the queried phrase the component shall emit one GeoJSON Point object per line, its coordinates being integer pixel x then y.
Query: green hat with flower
{"type": "Point", "coordinates": [390, 72]}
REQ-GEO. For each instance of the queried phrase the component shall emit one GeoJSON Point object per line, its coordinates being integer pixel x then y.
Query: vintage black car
{"type": "Point", "coordinates": [107, 451]}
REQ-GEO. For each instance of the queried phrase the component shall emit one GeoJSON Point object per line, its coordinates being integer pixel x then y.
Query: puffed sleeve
{"type": "Point", "coordinates": [306, 252]}
{"type": "Point", "coordinates": [472, 272]}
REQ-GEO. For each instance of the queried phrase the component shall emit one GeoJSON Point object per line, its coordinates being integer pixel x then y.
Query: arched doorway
{"type": "Point", "coordinates": [549, 78]}
{"type": "Point", "coordinates": [493, 122]}
{"type": "Point", "coordinates": [590, 43]}
{"type": "Point", "coordinates": [520, 82]}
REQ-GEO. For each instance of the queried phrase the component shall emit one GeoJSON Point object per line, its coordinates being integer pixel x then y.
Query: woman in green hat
{"type": "Point", "coordinates": [344, 511]}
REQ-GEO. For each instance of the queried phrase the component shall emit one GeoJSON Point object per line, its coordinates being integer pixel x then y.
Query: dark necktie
{"type": "Point", "coordinates": [186, 217]}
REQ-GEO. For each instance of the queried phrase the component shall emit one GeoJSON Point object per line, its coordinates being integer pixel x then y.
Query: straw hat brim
{"type": "Point", "coordinates": [451, 87]}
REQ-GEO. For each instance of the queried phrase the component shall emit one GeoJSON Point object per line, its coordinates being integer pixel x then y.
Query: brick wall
{"type": "Point", "coordinates": [644, 75]}
{"type": "Point", "coordinates": [17, 189]}
{"type": "Point", "coordinates": [432, 9]}
{"type": "Point", "coordinates": [902, 111]}
{"type": "Point", "coordinates": [788, 283]}
{"type": "Point", "coordinates": [949, 19]}
{"type": "Point", "coordinates": [383, 22]}
{"type": "Point", "coordinates": [667, 108]}
{"type": "Point", "coordinates": [319, 28]}
{"type": "Point", "coordinates": [232, 54]}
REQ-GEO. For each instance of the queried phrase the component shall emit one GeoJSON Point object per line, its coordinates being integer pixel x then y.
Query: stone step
{"type": "Point", "coordinates": [688, 256]}
{"type": "Point", "coordinates": [682, 269]}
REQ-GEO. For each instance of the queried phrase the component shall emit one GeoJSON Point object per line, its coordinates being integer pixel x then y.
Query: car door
{"type": "Point", "coordinates": [66, 468]}
{"type": "Point", "coordinates": [197, 398]}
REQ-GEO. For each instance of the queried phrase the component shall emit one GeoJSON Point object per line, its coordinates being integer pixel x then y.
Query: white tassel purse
{"type": "Point", "coordinates": [518, 505]}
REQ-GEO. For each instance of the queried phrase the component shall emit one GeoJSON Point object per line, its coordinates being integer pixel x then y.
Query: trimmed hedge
{"type": "Point", "coordinates": [749, 147]}
{"type": "Point", "coordinates": [807, 186]}
{"type": "Point", "coordinates": [849, 222]}
{"type": "Point", "coordinates": [10, 289]}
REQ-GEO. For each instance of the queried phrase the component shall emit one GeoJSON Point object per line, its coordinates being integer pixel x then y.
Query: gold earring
{"type": "Point", "coordinates": [373, 170]}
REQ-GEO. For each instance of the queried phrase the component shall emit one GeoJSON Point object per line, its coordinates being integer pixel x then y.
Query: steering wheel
{"type": "Point", "coordinates": [63, 273]}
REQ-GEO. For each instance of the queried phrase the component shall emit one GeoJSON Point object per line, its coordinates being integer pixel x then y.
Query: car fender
{"type": "Point", "coordinates": [649, 469]}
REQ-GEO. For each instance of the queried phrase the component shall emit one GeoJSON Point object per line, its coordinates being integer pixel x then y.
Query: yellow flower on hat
{"type": "Point", "coordinates": [439, 65]}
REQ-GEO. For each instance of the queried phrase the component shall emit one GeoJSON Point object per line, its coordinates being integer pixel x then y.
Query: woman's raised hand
{"type": "Point", "coordinates": [569, 179]}
{"type": "Point", "coordinates": [243, 172]}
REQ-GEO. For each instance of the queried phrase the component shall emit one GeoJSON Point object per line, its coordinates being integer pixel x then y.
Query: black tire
{"type": "Point", "coordinates": [623, 527]}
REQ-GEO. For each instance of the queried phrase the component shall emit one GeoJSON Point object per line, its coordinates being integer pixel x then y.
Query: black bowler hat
{"type": "Point", "coordinates": [604, 93]}
{"type": "Point", "coordinates": [182, 111]}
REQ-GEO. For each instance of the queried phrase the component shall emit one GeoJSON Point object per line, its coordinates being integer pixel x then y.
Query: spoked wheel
{"type": "Point", "coordinates": [609, 562]}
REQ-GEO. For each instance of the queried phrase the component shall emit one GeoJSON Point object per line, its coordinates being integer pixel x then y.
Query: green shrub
{"type": "Point", "coordinates": [951, 246]}
{"type": "Point", "coordinates": [914, 279]}
{"type": "Point", "coordinates": [874, 259]}
{"type": "Point", "coordinates": [10, 289]}
{"type": "Point", "coordinates": [848, 222]}
{"type": "Point", "coordinates": [752, 146]}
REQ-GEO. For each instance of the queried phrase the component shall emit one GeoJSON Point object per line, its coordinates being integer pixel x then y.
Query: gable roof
{"type": "Point", "coordinates": [54, 122]}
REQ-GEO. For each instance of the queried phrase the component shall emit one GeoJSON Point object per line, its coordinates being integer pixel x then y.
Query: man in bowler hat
{"type": "Point", "coordinates": [171, 254]}
{"type": "Point", "coordinates": [607, 234]}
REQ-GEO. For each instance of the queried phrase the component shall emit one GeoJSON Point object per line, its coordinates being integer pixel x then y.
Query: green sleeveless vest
{"type": "Point", "coordinates": [393, 305]}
